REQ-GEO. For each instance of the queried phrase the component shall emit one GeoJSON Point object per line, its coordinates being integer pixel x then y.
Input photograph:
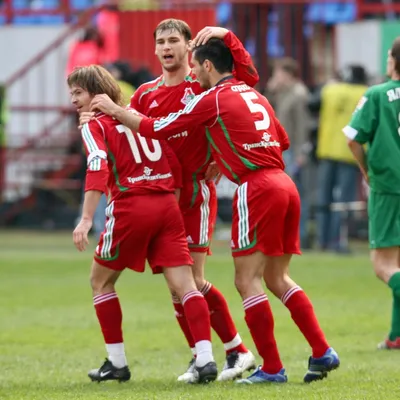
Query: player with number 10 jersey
{"type": "Point", "coordinates": [133, 179]}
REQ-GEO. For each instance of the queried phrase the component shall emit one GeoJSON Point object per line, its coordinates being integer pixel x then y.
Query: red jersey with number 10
{"type": "Point", "coordinates": [240, 125]}
{"type": "Point", "coordinates": [120, 161]}
{"type": "Point", "coordinates": [155, 99]}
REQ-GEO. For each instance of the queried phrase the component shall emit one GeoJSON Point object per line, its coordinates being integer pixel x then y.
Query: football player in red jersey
{"type": "Point", "coordinates": [143, 221]}
{"type": "Point", "coordinates": [171, 92]}
{"type": "Point", "coordinates": [247, 142]}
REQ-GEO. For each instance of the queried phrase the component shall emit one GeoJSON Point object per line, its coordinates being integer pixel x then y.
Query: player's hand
{"type": "Point", "coordinates": [103, 103]}
{"type": "Point", "coordinates": [212, 172]}
{"type": "Point", "coordinates": [85, 117]}
{"type": "Point", "coordinates": [207, 33]}
{"type": "Point", "coordinates": [80, 234]}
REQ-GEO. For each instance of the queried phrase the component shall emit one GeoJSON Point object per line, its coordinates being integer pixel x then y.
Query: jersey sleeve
{"type": "Point", "coordinates": [96, 152]}
{"type": "Point", "coordinates": [244, 68]}
{"type": "Point", "coordinates": [173, 162]}
{"type": "Point", "coordinates": [201, 110]}
{"type": "Point", "coordinates": [364, 121]}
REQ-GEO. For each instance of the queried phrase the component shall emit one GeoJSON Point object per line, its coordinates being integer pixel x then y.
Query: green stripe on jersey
{"type": "Point", "coordinates": [227, 166]}
{"type": "Point", "coordinates": [152, 89]}
{"type": "Point", "coordinates": [115, 172]}
{"type": "Point", "coordinates": [245, 161]}
{"type": "Point", "coordinates": [194, 176]}
{"type": "Point", "coordinates": [188, 78]}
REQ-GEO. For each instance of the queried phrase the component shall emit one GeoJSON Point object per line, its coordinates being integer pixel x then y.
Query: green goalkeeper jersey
{"type": "Point", "coordinates": [376, 121]}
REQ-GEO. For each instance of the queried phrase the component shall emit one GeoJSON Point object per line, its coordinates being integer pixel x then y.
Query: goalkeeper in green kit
{"type": "Point", "coordinates": [376, 121]}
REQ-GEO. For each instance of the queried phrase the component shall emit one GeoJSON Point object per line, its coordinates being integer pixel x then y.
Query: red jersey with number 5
{"type": "Point", "coordinates": [240, 125]}
{"type": "Point", "coordinates": [155, 99]}
{"type": "Point", "coordinates": [121, 161]}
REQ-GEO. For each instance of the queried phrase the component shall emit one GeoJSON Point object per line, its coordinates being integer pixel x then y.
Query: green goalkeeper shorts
{"type": "Point", "coordinates": [384, 220]}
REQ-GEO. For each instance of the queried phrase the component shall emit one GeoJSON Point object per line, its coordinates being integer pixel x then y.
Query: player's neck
{"type": "Point", "coordinates": [395, 76]}
{"type": "Point", "coordinates": [220, 78]}
{"type": "Point", "coordinates": [173, 78]}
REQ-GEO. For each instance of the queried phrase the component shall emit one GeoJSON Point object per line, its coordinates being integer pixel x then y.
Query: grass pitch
{"type": "Point", "coordinates": [49, 336]}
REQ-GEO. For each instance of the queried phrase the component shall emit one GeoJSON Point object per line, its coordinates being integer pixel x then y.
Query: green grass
{"type": "Point", "coordinates": [49, 335]}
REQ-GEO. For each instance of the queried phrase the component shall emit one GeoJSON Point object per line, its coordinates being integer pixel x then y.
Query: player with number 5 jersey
{"type": "Point", "coordinates": [143, 223]}
{"type": "Point", "coordinates": [247, 142]}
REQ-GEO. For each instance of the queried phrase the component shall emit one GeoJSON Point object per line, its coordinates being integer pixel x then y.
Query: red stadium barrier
{"type": "Point", "coordinates": [137, 27]}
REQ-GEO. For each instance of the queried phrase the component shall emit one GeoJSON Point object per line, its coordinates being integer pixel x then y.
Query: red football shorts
{"type": "Point", "coordinates": [198, 203]}
{"type": "Point", "coordinates": [143, 227]}
{"type": "Point", "coordinates": [266, 215]}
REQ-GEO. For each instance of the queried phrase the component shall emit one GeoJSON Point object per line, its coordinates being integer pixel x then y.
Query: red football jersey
{"type": "Point", "coordinates": [240, 125]}
{"type": "Point", "coordinates": [120, 161]}
{"type": "Point", "coordinates": [154, 99]}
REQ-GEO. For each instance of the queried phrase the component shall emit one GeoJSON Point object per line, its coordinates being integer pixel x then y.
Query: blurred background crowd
{"type": "Point", "coordinates": [315, 60]}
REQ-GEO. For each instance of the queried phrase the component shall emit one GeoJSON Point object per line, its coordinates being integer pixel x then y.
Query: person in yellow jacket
{"type": "Point", "coordinates": [338, 174]}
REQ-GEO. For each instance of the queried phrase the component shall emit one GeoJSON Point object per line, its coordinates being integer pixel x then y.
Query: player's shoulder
{"type": "Point", "coordinates": [102, 122]}
{"type": "Point", "coordinates": [376, 90]}
{"type": "Point", "coordinates": [148, 87]}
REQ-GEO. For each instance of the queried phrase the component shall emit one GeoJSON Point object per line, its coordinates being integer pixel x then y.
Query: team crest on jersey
{"type": "Point", "coordinates": [188, 96]}
{"type": "Point", "coordinates": [147, 171]}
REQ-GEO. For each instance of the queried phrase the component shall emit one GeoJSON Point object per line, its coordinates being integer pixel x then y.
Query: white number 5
{"type": "Point", "coordinates": [248, 97]}
{"type": "Point", "coordinates": [151, 155]}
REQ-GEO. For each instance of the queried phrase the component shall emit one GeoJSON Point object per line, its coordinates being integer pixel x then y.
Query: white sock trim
{"type": "Point", "coordinates": [188, 296]}
{"type": "Point", "coordinates": [289, 293]}
{"type": "Point", "coordinates": [254, 300]}
{"type": "Point", "coordinates": [101, 298]}
{"type": "Point", "coordinates": [235, 342]}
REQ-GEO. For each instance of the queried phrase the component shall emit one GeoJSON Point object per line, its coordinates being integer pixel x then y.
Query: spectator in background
{"type": "Point", "coordinates": [121, 72]}
{"type": "Point", "coordinates": [289, 97]}
{"type": "Point", "coordinates": [338, 173]}
{"type": "Point", "coordinates": [86, 51]}
{"type": "Point", "coordinates": [107, 23]}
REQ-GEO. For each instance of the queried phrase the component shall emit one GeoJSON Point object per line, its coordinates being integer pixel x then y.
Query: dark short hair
{"type": "Point", "coordinates": [216, 51]}
{"type": "Point", "coordinates": [395, 51]}
{"type": "Point", "coordinates": [174, 25]}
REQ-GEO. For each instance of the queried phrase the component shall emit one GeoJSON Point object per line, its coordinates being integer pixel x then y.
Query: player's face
{"type": "Point", "coordinates": [201, 73]}
{"type": "Point", "coordinates": [389, 64]}
{"type": "Point", "coordinates": [171, 49]}
{"type": "Point", "coordinates": [80, 98]}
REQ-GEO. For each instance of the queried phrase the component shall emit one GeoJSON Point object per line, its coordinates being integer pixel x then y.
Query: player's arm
{"type": "Point", "coordinates": [201, 110]}
{"type": "Point", "coordinates": [361, 129]}
{"type": "Point", "coordinates": [96, 180]}
{"type": "Point", "coordinates": [244, 68]}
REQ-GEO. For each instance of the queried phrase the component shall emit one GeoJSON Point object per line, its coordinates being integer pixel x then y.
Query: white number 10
{"type": "Point", "coordinates": [151, 155]}
{"type": "Point", "coordinates": [248, 97]}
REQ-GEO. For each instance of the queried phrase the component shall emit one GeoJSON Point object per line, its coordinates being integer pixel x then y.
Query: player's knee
{"type": "Point", "coordinates": [200, 282]}
{"type": "Point", "coordinates": [248, 287]}
{"type": "Point", "coordinates": [100, 285]}
{"type": "Point", "coordinates": [277, 285]}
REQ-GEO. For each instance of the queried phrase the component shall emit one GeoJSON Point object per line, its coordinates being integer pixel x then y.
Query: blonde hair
{"type": "Point", "coordinates": [96, 80]}
{"type": "Point", "coordinates": [174, 25]}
